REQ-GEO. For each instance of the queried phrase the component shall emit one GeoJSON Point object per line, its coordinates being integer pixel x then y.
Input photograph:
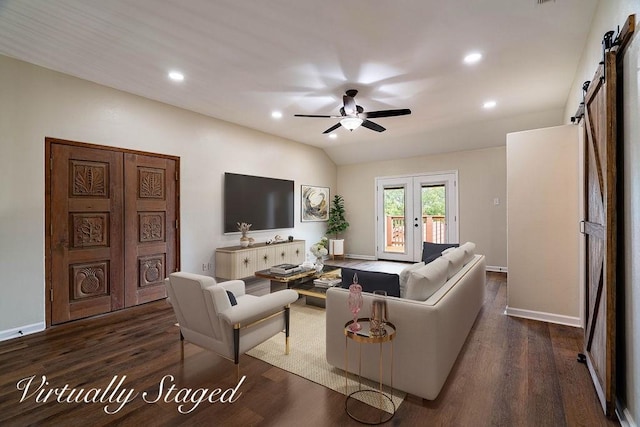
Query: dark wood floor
{"type": "Point", "coordinates": [511, 372]}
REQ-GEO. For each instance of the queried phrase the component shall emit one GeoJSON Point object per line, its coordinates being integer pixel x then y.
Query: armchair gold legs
{"type": "Point", "coordinates": [286, 329]}
{"type": "Point", "coordinates": [238, 326]}
{"type": "Point", "coordinates": [236, 348]}
{"type": "Point", "coordinates": [181, 346]}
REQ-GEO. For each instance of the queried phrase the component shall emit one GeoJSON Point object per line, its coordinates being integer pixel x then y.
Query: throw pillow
{"type": "Point", "coordinates": [372, 281]}
{"type": "Point", "coordinates": [455, 261]}
{"type": "Point", "coordinates": [431, 251]}
{"type": "Point", "coordinates": [424, 281]}
{"type": "Point", "coordinates": [404, 276]}
{"type": "Point", "coordinates": [232, 298]}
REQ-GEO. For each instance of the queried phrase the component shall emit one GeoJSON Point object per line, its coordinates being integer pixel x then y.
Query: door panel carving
{"type": "Point", "coordinates": [89, 179]}
{"type": "Point", "coordinates": [152, 270]}
{"type": "Point", "coordinates": [90, 280]}
{"type": "Point", "coordinates": [151, 183]}
{"type": "Point", "coordinates": [90, 229]}
{"type": "Point", "coordinates": [151, 226]}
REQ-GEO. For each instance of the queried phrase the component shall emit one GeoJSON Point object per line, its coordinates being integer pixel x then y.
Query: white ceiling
{"type": "Point", "coordinates": [244, 59]}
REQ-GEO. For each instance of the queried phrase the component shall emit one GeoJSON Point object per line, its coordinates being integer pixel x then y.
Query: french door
{"type": "Point", "coordinates": [415, 209]}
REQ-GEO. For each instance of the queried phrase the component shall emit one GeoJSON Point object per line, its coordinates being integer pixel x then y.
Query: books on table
{"type": "Point", "coordinates": [327, 282]}
{"type": "Point", "coordinates": [285, 269]}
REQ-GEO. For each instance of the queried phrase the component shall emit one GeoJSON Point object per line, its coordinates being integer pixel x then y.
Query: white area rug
{"type": "Point", "coordinates": [307, 356]}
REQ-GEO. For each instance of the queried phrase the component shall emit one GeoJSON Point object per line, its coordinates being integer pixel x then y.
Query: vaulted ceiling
{"type": "Point", "coordinates": [242, 60]}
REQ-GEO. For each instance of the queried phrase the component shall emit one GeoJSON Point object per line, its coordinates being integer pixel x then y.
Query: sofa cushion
{"type": "Point", "coordinates": [431, 251]}
{"type": "Point", "coordinates": [455, 259]}
{"type": "Point", "coordinates": [404, 276]}
{"type": "Point", "coordinates": [424, 281]}
{"type": "Point", "coordinates": [452, 248]}
{"type": "Point", "coordinates": [469, 251]}
{"type": "Point", "coordinates": [372, 281]}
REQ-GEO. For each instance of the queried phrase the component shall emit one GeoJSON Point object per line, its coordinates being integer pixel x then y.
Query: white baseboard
{"type": "Point", "coordinates": [544, 317]}
{"type": "Point", "coordinates": [365, 257]}
{"type": "Point", "coordinates": [624, 416]}
{"type": "Point", "coordinates": [496, 269]}
{"type": "Point", "coordinates": [21, 331]}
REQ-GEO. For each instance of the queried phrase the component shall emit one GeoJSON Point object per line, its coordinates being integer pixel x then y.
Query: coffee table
{"type": "Point", "coordinates": [301, 282]}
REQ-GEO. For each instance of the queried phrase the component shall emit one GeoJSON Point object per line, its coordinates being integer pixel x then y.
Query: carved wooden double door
{"type": "Point", "coordinates": [113, 228]}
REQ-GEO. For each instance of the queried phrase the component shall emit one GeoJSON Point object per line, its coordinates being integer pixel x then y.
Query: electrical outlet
{"type": "Point", "coordinates": [204, 267]}
{"type": "Point", "coordinates": [496, 201]}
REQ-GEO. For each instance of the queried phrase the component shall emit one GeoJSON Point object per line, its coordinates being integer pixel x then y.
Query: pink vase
{"type": "Point", "coordinates": [355, 303]}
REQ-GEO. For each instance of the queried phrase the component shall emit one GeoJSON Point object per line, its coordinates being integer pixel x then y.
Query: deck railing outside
{"type": "Point", "coordinates": [433, 230]}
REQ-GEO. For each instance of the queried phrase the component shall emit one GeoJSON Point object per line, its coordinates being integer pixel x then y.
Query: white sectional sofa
{"type": "Point", "coordinates": [430, 333]}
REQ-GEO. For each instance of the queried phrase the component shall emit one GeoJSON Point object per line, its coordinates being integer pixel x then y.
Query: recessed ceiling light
{"type": "Point", "coordinates": [176, 76]}
{"type": "Point", "coordinates": [472, 58]}
{"type": "Point", "coordinates": [276, 114]}
{"type": "Point", "coordinates": [333, 135]}
{"type": "Point", "coordinates": [489, 104]}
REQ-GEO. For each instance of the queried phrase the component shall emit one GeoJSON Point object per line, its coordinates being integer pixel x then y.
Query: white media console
{"type": "Point", "coordinates": [236, 262]}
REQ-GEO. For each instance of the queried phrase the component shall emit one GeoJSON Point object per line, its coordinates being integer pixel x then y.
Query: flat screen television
{"type": "Point", "coordinates": [265, 203]}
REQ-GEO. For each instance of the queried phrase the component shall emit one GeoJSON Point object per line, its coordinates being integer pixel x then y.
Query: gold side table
{"type": "Point", "coordinates": [364, 336]}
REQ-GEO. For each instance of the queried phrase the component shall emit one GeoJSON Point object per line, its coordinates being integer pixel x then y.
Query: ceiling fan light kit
{"type": "Point", "coordinates": [353, 116]}
{"type": "Point", "coordinates": [351, 123]}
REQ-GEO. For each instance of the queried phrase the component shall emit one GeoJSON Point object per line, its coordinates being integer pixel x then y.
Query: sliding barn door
{"type": "Point", "coordinates": [150, 226]}
{"type": "Point", "coordinates": [600, 230]}
{"type": "Point", "coordinates": [87, 249]}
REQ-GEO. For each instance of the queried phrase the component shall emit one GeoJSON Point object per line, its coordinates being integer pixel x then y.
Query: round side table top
{"type": "Point", "coordinates": [364, 335]}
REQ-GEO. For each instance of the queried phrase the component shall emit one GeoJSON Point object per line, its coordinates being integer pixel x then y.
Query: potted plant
{"type": "Point", "coordinates": [337, 224]}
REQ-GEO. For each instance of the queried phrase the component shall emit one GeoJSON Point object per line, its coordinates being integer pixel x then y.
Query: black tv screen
{"type": "Point", "coordinates": [265, 203]}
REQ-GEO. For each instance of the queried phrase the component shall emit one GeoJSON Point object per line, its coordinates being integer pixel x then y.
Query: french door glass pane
{"type": "Point", "coordinates": [433, 202]}
{"type": "Point", "coordinates": [394, 214]}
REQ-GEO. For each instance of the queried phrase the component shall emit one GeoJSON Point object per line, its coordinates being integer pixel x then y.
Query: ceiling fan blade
{"type": "Point", "coordinates": [350, 107]}
{"type": "Point", "coordinates": [385, 113]}
{"type": "Point", "coordinates": [373, 126]}
{"type": "Point", "coordinates": [317, 116]}
{"type": "Point", "coordinates": [332, 128]}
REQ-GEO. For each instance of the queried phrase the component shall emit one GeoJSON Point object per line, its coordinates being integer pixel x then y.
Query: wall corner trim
{"type": "Point", "coordinates": [544, 317]}
{"type": "Point", "coordinates": [21, 331]}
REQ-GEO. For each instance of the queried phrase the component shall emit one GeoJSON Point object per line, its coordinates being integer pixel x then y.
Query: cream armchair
{"type": "Point", "coordinates": [208, 319]}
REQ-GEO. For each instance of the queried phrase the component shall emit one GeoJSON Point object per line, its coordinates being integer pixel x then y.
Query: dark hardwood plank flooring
{"type": "Point", "coordinates": [510, 372]}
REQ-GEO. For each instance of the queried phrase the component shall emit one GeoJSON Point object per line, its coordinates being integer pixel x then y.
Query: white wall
{"type": "Point", "coordinates": [543, 213]}
{"type": "Point", "coordinates": [481, 178]}
{"type": "Point", "coordinates": [609, 15]}
{"type": "Point", "coordinates": [36, 103]}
